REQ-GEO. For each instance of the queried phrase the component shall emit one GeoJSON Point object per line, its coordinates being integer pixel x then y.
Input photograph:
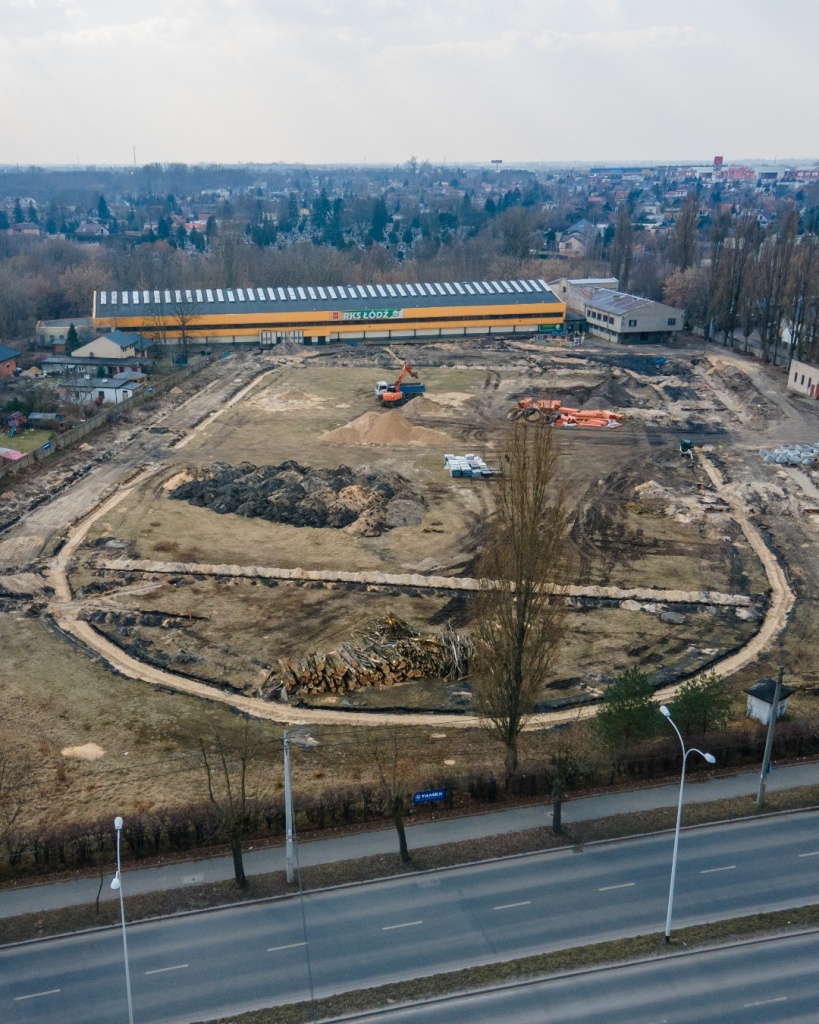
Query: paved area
{"type": "Point", "coordinates": [51, 896]}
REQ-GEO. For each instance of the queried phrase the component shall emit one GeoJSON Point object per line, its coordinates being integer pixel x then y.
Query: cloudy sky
{"type": "Point", "coordinates": [354, 81]}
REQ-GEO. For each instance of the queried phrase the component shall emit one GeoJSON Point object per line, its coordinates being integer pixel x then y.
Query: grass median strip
{"type": "Point", "coordinates": [205, 895]}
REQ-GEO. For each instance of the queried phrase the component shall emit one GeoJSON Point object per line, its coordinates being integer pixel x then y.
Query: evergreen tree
{"type": "Point", "coordinates": [380, 220]}
{"type": "Point", "coordinates": [628, 713]}
{"type": "Point", "coordinates": [19, 216]}
{"type": "Point", "coordinates": [102, 209]}
{"type": "Point", "coordinates": [72, 340]}
{"type": "Point", "coordinates": [32, 214]}
{"type": "Point", "coordinates": [4, 221]}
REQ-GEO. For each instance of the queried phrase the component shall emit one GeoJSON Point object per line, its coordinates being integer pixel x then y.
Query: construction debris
{"type": "Point", "coordinates": [552, 410]}
{"type": "Point", "coordinates": [791, 454]}
{"type": "Point", "coordinates": [389, 652]}
{"type": "Point", "coordinates": [468, 466]}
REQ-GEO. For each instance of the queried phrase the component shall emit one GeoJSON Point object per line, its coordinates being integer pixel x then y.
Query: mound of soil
{"type": "Point", "coordinates": [388, 428]}
{"type": "Point", "coordinates": [366, 501]}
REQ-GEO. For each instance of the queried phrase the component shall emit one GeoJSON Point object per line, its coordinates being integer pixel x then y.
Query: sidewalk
{"type": "Point", "coordinates": [54, 895]}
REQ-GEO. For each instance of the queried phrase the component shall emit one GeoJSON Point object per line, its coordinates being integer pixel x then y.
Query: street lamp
{"type": "Point", "coordinates": [711, 760]}
{"type": "Point", "coordinates": [116, 885]}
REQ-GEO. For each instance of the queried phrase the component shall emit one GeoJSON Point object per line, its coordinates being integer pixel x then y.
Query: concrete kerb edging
{"type": "Point", "coordinates": [419, 874]}
{"type": "Point", "coordinates": [558, 975]}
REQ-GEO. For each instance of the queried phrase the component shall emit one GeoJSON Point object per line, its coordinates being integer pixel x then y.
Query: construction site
{"type": "Point", "coordinates": [295, 535]}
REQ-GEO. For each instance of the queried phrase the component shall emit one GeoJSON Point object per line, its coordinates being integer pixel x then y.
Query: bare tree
{"type": "Point", "coordinates": [520, 610]}
{"type": "Point", "coordinates": [185, 312]}
{"type": "Point", "coordinates": [393, 771]}
{"type": "Point", "coordinates": [15, 791]}
{"type": "Point", "coordinates": [775, 260]}
{"type": "Point", "coordinates": [684, 247]}
{"type": "Point", "coordinates": [620, 248]}
{"type": "Point", "coordinates": [228, 759]}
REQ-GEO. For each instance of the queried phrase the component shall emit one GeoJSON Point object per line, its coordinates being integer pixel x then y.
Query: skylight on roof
{"type": "Point", "coordinates": [380, 289]}
{"type": "Point", "coordinates": [198, 295]}
{"type": "Point", "coordinates": [526, 286]}
{"type": "Point", "coordinates": [439, 289]}
{"type": "Point", "coordinates": [282, 294]}
{"type": "Point", "coordinates": [506, 286]}
{"type": "Point", "coordinates": [230, 295]}
{"type": "Point", "coordinates": [251, 297]}
{"type": "Point", "coordinates": [168, 296]}
{"type": "Point", "coordinates": [271, 294]}
{"type": "Point", "coordinates": [124, 299]}
{"type": "Point", "coordinates": [411, 290]}
{"type": "Point", "coordinates": [478, 288]}
{"type": "Point", "coordinates": [240, 295]}
{"type": "Point", "coordinates": [312, 293]}
{"type": "Point", "coordinates": [209, 294]}
{"type": "Point", "coordinates": [373, 293]}
{"type": "Point", "coordinates": [516, 286]}
{"type": "Point", "coordinates": [459, 289]}
{"type": "Point", "coordinates": [321, 292]}
{"type": "Point", "coordinates": [535, 286]}
{"type": "Point", "coordinates": [103, 298]}
{"type": "Point", "coordinates": [220, 296]}
{"type": "Point", "coordinates": [302, 293]}
{"type": "Point", "coordinates": [449, 288]}
{"type": "Point", "coordinates": [341, 293]}
{"type": "Point", "coordinates": [469, 288]}
{"type": "Point", "coordinates": [292, 294]}
{"type": "Point", "coordinates": [400, 288]}
{"type": "Point", "coordinates": [178, 295]}
{"type": "Point", "coordinates": [331, 291]}
{"type": "Point", "coordinates": [135, 297]}
{"type": "Point", "coordinates": [391, 290]}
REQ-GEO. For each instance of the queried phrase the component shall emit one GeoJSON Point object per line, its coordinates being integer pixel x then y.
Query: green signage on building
{"type": "Point", "coordinates": [551, 328]}
{"type": "Point", "coordinates": [369, 314]}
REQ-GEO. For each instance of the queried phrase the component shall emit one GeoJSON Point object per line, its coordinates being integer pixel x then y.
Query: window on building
{"type": "Point", "coordinates": [632, 323]}
{"type": "Point", "coordinates": [802, 381]}
{"type": "Point", "coordinates": [795, 375]}
{"type": "Point", "coordinates": [671, 321]}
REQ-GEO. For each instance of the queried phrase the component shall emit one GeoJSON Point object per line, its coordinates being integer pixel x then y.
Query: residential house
{"type": "Point", "coordinates": [52, 333]}
{"type": "Point", "coordinates": [622, 318]}
{"type": "Point", "coordinates": [8, 361]}
{"type": "Point", "coordinates": [113, 390]}
{"type": "Point", "coordinates": [577, 240]}
{"type": "Point", "coordinates": [116, 345]}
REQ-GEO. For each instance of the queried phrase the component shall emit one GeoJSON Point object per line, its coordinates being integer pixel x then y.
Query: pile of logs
{"type": "Point", "coordinates": [390, 652]}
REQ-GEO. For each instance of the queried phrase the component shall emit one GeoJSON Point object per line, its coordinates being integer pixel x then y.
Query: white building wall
{"type": "Point", "coordinates": [803, 378]}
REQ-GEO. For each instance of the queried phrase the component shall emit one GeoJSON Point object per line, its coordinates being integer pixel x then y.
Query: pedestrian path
{"type": "Point", "coordinates": [55, 895]}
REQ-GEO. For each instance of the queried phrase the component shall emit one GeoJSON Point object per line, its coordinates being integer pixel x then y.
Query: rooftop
{"type": "Point", "coordinates": [199, 301]}
{"type": "Point", "coordinates": [617, 302]}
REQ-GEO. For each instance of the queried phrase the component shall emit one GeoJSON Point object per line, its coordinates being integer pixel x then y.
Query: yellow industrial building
{"type": "Point", "coordinates": [323, 315]}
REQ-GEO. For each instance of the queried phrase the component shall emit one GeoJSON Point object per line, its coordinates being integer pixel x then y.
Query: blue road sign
{"type": "Point", "coordinates": [430, 796]}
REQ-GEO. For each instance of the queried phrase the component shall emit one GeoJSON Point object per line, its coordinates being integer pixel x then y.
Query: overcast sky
{"type": "Point", "coordinates": [353, 81]}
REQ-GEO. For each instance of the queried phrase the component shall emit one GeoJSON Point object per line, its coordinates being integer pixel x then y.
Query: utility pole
{"type": "Point", "coordinates": [766, 757]}
{"type": "Point", "coordinates": [288, 810]}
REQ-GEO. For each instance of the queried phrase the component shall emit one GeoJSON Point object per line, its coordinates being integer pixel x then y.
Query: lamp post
{"type": "Point", "coordinates": [711, 760]}
{"type": "Point", "coordinates": [116, 885]}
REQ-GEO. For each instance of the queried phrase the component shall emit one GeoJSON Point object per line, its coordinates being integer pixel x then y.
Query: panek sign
{"type": "Point", "coordinates": [368, 314]}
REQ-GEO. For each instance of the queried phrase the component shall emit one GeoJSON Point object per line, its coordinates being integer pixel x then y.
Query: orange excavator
{"type": "Point", "coordinates": [399, 392]}
{"type": "Point", "coordinates": [533, 409]}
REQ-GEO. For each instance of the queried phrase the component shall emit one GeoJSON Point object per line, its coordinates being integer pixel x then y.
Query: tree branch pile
{"type": "Point", "coordinates": [390, 651]}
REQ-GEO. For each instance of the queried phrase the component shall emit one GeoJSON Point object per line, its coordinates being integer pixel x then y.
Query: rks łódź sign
{"type": "Point", "coordinates": [368, 314]}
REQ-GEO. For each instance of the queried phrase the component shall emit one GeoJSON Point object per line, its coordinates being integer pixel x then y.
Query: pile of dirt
{"type": "Point", "coordinates": [423, 407]}
{"type": "Point", "coordinates": [366, 501]}
{"type": "Point", "coordinates": [387, 428]}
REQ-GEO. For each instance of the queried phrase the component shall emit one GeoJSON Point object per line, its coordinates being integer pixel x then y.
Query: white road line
{"type": "Point", "coordinates": [624, 885]}
{"type": "Point", "coordinates": [163, 970]}
{"type": "Point", "coordinates": [813, 853]}
{"type": "Point", "coordinates": [710, 871]}
{"type": "Point", "coordinates": [290, 945]}
{"type": "Point", "coordinates": [508, 906]}
{"type": "Point", "coordinates": [406, 924]}
{"type": "Point", "coordinates": [36, 995]}
{"type": "Point", "coordinates": [766, 1002]}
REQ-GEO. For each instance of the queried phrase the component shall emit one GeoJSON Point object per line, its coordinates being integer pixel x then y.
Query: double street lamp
{"type": "Point", "coordinates": [116, 885]}
{"type": "Point", "coordinates": [711, 760]}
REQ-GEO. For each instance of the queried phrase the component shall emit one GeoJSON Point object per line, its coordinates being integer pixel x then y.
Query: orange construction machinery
{"type": "Point", "coordinates": [395, 394]}
{"type": "Point", "coordinates": [533, 409]}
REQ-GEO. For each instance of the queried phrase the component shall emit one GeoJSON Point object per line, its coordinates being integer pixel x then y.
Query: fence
{"type": "Point", "coordinates": [76, 434]}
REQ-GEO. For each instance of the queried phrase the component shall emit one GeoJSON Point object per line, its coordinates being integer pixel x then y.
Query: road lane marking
{"type": "Point", "coordinates": [710, 871]}
{"type": "Point", "coordinates": [36, 995]}
{"type": "Point", "coordinates": [290, 945]}
{"type": "Point", "coordinates": [813, 853]}
{"type": "Point", "coordinates": [623, 885]}
{"type": "Point", "coordinates": [406, 924]}
{"type": "Point", "coordinates": [766, 1002]}
{"type": "Point", "coordinates": [508, 906]}
{"type": "Point", "coordinates": [163, 970]}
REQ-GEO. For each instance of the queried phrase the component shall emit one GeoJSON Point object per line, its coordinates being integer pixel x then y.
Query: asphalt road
{"type": "Point", "coordinates": [222, 962]}
{"type": "Point", "coordinates": [772, 982]}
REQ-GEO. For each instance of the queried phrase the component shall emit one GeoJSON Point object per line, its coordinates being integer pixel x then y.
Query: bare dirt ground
{"type": "Point", "coordinates": [646, 521]}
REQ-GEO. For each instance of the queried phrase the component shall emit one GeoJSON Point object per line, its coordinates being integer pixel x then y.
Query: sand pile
{"type": "Point", "coordinates": [421, 407]}
{"type": "Point", "coordinates": [389, 428]}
